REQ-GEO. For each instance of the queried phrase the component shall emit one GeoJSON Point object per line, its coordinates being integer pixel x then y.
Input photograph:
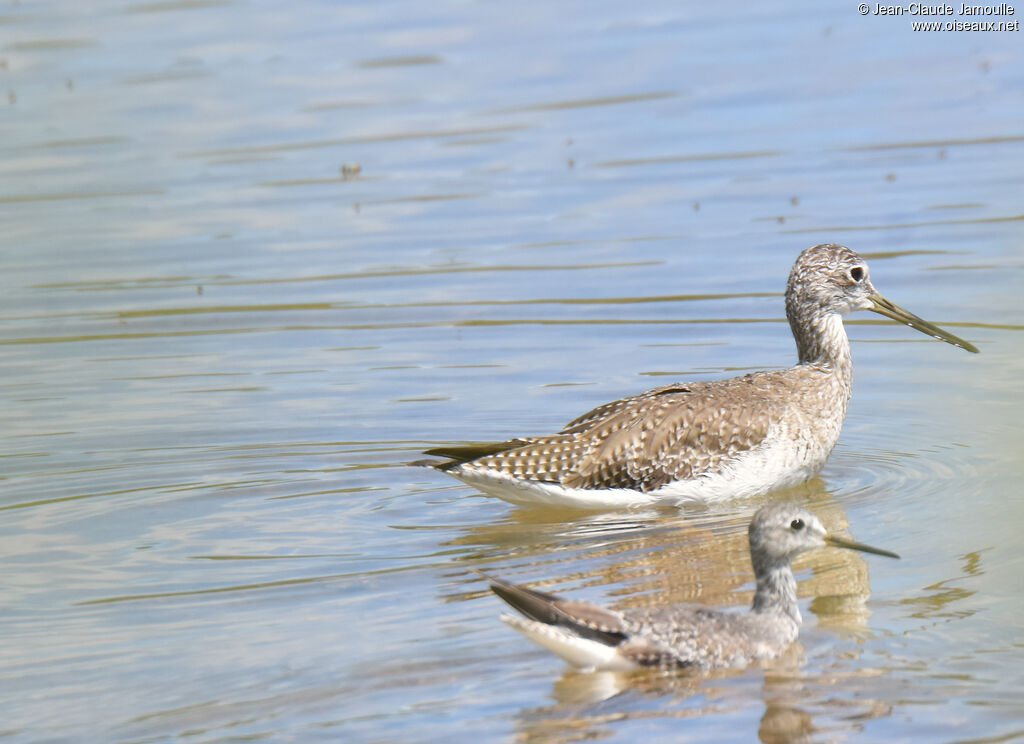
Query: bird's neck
{"type": "Point", "coordinates": [821, 341]}
{"type": "Point", "coordinates": [776, 590]}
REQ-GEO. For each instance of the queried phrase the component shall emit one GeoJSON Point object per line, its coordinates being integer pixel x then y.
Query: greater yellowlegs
{"type": "Point", "coordinates": [592, 637]}
{"type": "Point", "coordinates": [704, 441]}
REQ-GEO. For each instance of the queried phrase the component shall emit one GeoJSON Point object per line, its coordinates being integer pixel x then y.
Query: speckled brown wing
{"type": "Point", "coordinates": [581, 423]}
{"type": "Point", "coordinates": [674, 432]}
{"type": "Point", "coordinates": [689, 636]}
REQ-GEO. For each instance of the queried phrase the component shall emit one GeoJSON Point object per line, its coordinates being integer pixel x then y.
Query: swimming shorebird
{"type": "Point", "coordinates": [704, 441]}
{"type": "Point", "coordinates": [592, 637]}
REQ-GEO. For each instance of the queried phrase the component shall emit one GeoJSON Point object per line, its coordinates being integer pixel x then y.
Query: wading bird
{"type": "Point", "coordinates": [704, 441]}
{"type": "Point", "coordinates": [592, 637]}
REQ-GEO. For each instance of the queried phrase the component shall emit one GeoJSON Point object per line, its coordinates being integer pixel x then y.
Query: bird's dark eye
{"type": "Point", "coordinates": [797, 524]}
{"type": "Point", "coordinates": [857, 273]}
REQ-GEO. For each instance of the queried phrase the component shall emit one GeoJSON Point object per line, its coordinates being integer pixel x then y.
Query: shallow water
{"type": "Point", "coordinates": [257, 257]}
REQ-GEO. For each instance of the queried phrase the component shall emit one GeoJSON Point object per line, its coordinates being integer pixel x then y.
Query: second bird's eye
{"type": "Point", "coordinates": [857, 273]}
{"type": "Point", "coordinates": [797, 524]}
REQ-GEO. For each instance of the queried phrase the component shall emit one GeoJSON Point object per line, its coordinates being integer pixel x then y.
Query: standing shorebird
{"type": "Point", "coordinates": [704, 441]}
{"type": "Point", "coordinates": [592, 637]}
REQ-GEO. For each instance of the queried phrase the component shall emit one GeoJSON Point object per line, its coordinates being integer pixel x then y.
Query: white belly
{"type": "Point", "coordinates": [784, 459]}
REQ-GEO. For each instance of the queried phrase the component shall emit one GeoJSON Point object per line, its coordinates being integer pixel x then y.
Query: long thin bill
{"type": "Point", "coordinates": [890, 309]}
{"type": "Point", "coordinates": [851, 545]}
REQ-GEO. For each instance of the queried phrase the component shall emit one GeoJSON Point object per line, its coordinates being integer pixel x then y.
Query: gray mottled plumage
{"type": "Point", "coordinates": [590, 636]}
{"type": "Point", "coordinates": [705, 440]}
